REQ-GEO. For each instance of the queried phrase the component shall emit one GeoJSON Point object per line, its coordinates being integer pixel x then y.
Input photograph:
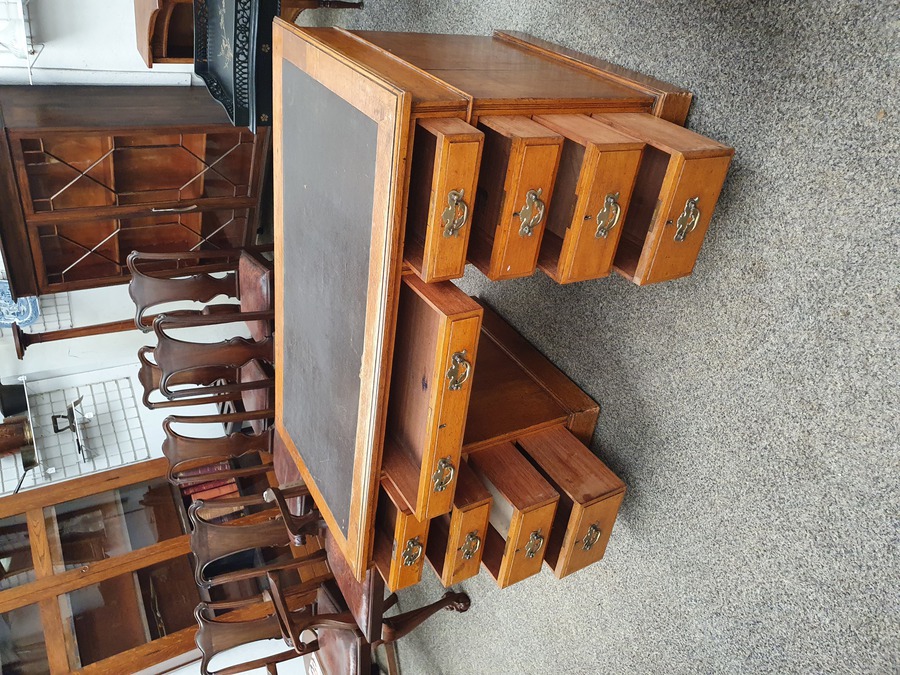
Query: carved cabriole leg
{"type": "Point", "coordinates": [396, 627]}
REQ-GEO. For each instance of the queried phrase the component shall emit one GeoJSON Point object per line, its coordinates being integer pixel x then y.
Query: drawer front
{"type": "Point", "coordinates": [686, 202]}
{"type": "Point", "coordinates": [585, 535]}
{"type": "Point", "coordinates": [526, 545]}
{"type": "Point", "coordinates": [596, 178]}
{"type": "Point", "coordinates": [515, 188]}
{"type": "Point", "coordinates": [528, 192]}
{"type": "Point", "coordinates": [590, 242]}
{"type": "Point", "coordinates": [455, 370]}
{"type": "Point", "coordinates": [436, 343]}
{"type": "Point", "coordinates": [590, 495]}
{"type": "Point", "coordinates": [408, 551]}
{"type": "Point", "coordinates": [457, 157]}
{"type": "Point", "coordinates": [456, 543]}
{"type": "Point", "coordinates": [400, 541]}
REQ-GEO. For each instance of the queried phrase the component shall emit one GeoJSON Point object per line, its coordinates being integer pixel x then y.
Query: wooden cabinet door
{"type": "Point", "coordinates": [62, 172]}
{"type": "Point", "coordinates": [86, 253]}
{"type": "Point", "coordinates": [106, 549]}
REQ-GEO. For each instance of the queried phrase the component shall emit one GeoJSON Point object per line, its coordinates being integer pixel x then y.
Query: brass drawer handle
{"type": "Point", "coordinates": [412, 552]}
{"type": "Point", "coordinates": [456, 214]}
{"type": "Point", "coordinates": [535, 544]}
{"type": "Point", "coordinates": [532, 214]}
{"type": "Point", "coordinates": [443, 475]}
{"type": "Point", "coordinates": [180, 209]}
{"type": "Point", "coordinates": [609, 215]}
{"type": "Point", "coordinates": [687, 221]}
{"type": "Point", "coordinates": [591, 538]}
{"type": "Point", "coordinates": [471, 545]}
{"type": "Point", "coordinates": [456, 377]}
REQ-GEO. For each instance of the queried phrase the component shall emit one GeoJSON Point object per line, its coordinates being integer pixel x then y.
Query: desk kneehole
{"type": "Point", "coordinates": [589, 498]}
{"type": "Point", "coordinates": [521, 515]}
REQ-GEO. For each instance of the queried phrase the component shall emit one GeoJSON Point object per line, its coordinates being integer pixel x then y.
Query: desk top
{"type": "Point", "coordinates": [339, 138]}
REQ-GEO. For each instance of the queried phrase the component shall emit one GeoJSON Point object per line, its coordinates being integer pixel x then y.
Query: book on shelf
{"type": "Point", "coordinates": [206, 485]}
{"type": "Point", "coordinates": [214, 492]}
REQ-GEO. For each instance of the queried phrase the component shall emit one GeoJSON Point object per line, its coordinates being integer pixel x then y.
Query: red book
{"type": "Point", "coordinates": [206, 469]}
{"type": "Point", "coordinates": [222, 491]}
{"type": "Point", "coordinates": [206, 485]}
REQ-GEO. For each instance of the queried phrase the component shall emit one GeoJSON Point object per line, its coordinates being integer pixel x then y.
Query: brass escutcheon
{"type": "Point", "coordinates": [458, 373]}
{"type": "Point", "coordinates": [532, 214]}
{"type": "Point", "coordinates": [687, 221]}
{"type": "Point", "coordinates": [591, 538]}
{"type": "Point", "coordinates": [471, 545]}
{"type": "Point", "coordinates": [412, 552]}
{"type": "Point", "coordinates": [535, 544]}
{"type": "Point", "coordinates": [455, 215]}
{"type": "Point", "coordinates": [608, 217]}
{"type": "Point", "coordinates": [443, 475]}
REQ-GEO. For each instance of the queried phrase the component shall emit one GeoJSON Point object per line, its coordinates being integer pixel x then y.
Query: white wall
{"type": "Point", "coordinates": [88, 42]}
{"type": "Point", "coordinates": [89, 307]}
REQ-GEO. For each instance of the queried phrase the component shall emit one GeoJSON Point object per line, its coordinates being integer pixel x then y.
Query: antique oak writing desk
{"type": "Point", "coordinates": [384, 143]}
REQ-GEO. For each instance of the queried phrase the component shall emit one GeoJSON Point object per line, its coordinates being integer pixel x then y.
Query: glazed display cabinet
{"type": "Point", "coordinates": [95, 575]}
{"type": "Point", "coordinates": [93, 173]}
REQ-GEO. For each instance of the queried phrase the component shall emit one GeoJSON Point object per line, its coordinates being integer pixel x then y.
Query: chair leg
{"type": "Point", "coordinates": [390, 601]}
{"type": "Point", "coordinates": [396, 627]}
{"type": "Point", "coordinates": [393, 663]}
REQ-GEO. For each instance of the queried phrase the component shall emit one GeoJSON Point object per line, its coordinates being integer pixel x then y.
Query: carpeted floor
{"type": "Point", "coordinates": [752, 408]}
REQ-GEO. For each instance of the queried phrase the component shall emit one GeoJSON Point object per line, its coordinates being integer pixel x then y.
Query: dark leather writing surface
{"type": "Point", "coordinates": [329, 150]}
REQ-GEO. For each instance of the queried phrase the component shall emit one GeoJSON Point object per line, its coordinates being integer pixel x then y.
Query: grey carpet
{"type": "Point", "coordinates": [752, 408]}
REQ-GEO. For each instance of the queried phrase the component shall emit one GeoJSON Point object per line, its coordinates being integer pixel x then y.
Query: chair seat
{"type": "Point", "coordinates": [341, 652]}
{"type": "Point", "coordinates": [256, 291]}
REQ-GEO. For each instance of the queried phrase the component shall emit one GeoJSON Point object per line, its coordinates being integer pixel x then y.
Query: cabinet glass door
{"type": "Point", "coordinates": [65, 171]}
{"type": "Point", "coordinates": [128, 610]}
{"type": "Point", "coordinates": [16, 564]}
{"type": "Point", "coordinates": [23, 650]}
{"type": "Point", "coordinates": [109, 524]}
{"type": "Point", "coordinates": [89, 253]}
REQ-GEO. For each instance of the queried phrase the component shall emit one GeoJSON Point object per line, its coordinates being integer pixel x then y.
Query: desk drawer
{"type": "Point", "coordinates": [434, 360]}
{"type": "Point", "coordinates": [400, 540]}
{"type": "Point", "coordinates": [589, 498]}
{"type": "Point", "coordinates": [446, 158]}
{"type": "Point", "coordinates": [593, 190]}
{"type": "Point", "coordinates": [677, 188]}
{"type": "Point", "coordinates": [515, 187]}
{"type": "Point", "coordinates": [456, 540]}
{"type": "Point", "coordinates": [521, 513]}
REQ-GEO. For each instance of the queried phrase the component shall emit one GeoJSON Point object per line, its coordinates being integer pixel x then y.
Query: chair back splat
{"type": "Point", "coordinates": [151, 287]}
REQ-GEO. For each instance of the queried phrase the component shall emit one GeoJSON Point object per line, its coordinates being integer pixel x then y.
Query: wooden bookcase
{"type": "Point", "coordinates": [88, 174]}
{"type": "Point", "coordinates": [96, 576]}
